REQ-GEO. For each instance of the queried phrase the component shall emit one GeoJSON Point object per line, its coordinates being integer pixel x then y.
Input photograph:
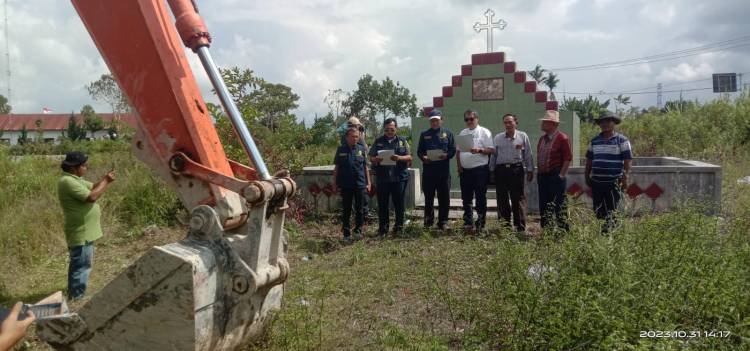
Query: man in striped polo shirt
{"type": "Point", "coordinates": [607, 168]}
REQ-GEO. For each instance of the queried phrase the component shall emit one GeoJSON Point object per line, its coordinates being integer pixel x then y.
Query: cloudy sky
{"type": "Point", "coordinates": [317, 45]}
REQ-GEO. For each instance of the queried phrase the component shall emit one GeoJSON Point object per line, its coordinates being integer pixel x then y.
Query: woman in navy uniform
{"type": "Point", "coordinates": [391, 179]}
{"type": "Point", "coordinates": [351, 177]}
{"type": "Point", "coordinates": [436, 176]}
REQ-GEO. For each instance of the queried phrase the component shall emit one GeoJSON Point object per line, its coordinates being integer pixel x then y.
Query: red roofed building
{"type": "Point", "coordinates": [52, 125]}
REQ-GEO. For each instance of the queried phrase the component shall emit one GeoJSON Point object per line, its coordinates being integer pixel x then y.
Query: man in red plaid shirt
{"type": "Point", "coordinates": [553, 159]}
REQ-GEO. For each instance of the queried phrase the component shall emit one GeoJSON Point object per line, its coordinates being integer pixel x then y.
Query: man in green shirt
{"type": "Point", "coordinates": [82, 217]}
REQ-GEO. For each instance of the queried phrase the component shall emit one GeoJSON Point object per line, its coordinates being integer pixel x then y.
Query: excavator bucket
{"type": "Point", "coordinates": [214, 289]}
{"type": "Point", "coordinates": [197, 294]}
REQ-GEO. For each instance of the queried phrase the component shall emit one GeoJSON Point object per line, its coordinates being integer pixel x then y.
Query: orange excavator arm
{"type": "Point", "coordinates": [212, 290]}
{"type": "Point", "coordinates": [138, 41]}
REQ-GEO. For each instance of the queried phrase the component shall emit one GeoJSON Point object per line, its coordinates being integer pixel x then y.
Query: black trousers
{"type": "Point", "coordinates": [511, 198]}
{"type": "Point", "coordinates": [390, 192]}
{"type": "Point", "coordinates": [442, 185]}
{"type": "Point", "coordinates": [474, 184]}
{"type": "Point", "coordinates": [355, 196]}
{"type": "Point", "coordinates": [552, 204]}
{"type": "Point", "coordinates": [606, 197]}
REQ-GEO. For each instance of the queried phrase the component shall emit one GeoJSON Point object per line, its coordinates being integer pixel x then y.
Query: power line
{"type": "Point", "coordinates": [638, 93]}
{"type": "Point", "coordinates": [713, 47]}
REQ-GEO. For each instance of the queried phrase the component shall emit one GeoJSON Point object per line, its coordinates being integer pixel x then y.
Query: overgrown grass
{"type": "Point", "coordinates": [679, 271]}
{"type": "Point", "coordinates": [31, 220]}
{"type": "Point", "coordinates": [716, 131]}
{"type": "Point", "coordinates": [676, 271]}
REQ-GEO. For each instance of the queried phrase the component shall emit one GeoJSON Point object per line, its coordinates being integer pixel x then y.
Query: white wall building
{"type": "Point", "coordinates": [52, 126]}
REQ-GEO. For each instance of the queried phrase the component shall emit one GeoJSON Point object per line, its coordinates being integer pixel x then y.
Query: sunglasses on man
{"type": "Point", "coordinates": [469, 119]}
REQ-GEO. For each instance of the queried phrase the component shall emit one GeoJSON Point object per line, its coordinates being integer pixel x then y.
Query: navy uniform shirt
{"type": "Point", "coordinates": [351, 167]}
{"type": "Point", "coordinates": [398, 172]}
{"type": "Point", "coordinates": [437, 139]}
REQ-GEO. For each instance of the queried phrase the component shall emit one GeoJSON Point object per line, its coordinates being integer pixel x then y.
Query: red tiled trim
{"type": "Point", "coordinates": [488, 58]}
{"type": "Point", "coordinates": [447, 91]}
{"type": "Point", "coordinates": [529, 87]}
{"type": "Point", "coordinates": [456, 81]}
{"type": "Point", "coordinates": [540, 96]}
{"type": "Point", "coordinates": [437, 102]}
{"type": "Point", "coordinates": [519, 77]}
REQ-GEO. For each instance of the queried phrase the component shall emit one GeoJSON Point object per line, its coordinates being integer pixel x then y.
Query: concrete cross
{"type": "Point", "coordinates": [488, 26]}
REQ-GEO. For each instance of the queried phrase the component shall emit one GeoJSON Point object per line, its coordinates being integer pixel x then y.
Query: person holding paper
{"type": "Point", "coordinates": [351, 177]}
{"type": "Point", "coordinates": [512, 159]}
{"type": "Point", "coordinates": [13, 330]}
{"type": "Point", "coordinates": [390, 158]}
{"type": "Point", "coordinates": [436, 147]}
{"type": "Point", "coordinates": [473, 171]}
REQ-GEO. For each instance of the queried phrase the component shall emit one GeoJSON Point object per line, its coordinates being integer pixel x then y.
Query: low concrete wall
{"type": "Point", "coordinates": [656, 184]}
{"type": "Point", "coordinates": [316, 188]}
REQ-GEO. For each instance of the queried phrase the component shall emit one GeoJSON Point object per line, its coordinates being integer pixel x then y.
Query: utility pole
{"type": "Point", "coordinates": [658, 95]}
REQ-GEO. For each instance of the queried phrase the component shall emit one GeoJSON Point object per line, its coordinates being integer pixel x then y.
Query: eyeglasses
{"type": "Point", "coordinates": [469, 119]}
{"type": "Point", "coordinates": [390, 129]}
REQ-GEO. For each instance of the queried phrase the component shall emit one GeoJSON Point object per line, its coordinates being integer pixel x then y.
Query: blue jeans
{"type": "Point", "coordinates": [79, 268]}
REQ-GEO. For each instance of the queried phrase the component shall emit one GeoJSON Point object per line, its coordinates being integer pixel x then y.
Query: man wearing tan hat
{"type": "Point", "coordinates": [553, 159]}
{"type": "Point", "coordinates": [352, 122]}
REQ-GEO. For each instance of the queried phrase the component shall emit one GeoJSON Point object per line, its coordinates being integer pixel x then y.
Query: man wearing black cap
{"type": "Point", "coordinates": [436, 175]}
{"type": "Point", "coordinates": [607, 168]}
{"type": "Point", "coordinates": [82, 218]}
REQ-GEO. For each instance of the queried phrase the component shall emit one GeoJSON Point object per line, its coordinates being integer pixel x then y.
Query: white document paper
{"type": "Point", "coordinates": [434, 155]}
{"type": "Point", "coordinates": [465, 142]}
{"type": "Point", "coordinates": [386, 156]}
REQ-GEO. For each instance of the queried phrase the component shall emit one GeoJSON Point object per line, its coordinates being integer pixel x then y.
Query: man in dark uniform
{"type": "Point", "coordinates": [436, 171]}
{"type": "Point", "coordinates": [351, 176]}
{"type": "Point", "coordinates": [353, 122]}
{"type": "Point", "coordinates": [391, 180]}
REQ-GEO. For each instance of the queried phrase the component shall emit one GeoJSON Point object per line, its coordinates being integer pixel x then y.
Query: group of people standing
{"type": "Point", "coordinates": [505, 159]}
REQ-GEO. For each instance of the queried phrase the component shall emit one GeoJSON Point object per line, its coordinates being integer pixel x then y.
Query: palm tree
{"type": "Point", "coordinates": [551, 82]}
{"type": "Point", "coordinates": [538, 74]}
{"type": "Point", "coordinates": [620, 99]}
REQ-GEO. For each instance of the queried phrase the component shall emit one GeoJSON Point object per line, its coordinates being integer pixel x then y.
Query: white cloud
{"type": "Point", "coordinates": [685, 72]}
{"type": "Point", "coordinates": [317, 45]}
{"type": "Point", "coordinates": [661, 12]}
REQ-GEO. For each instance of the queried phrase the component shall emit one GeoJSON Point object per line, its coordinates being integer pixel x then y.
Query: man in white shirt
{"type": "Point", "coordinates": [473, 171]}
{"type": "Point", "coordinates": [512, 159]}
